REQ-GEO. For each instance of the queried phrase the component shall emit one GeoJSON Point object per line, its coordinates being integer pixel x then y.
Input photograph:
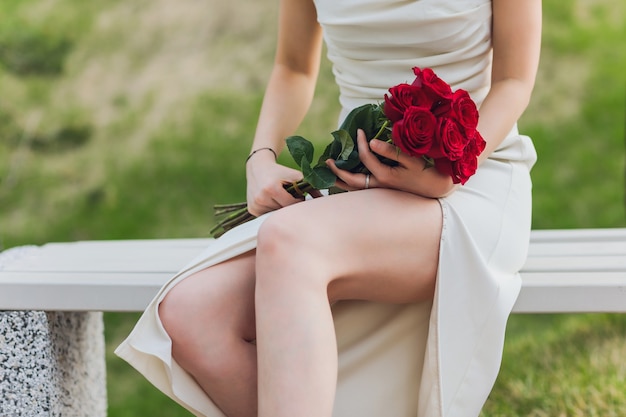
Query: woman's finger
{"type": "Point", "coordinates": [272, 200]}
{"type": "Point", "coordinates": [369, 158]}
{"type": "Point", "coordinates": [283, 198]}
{"type": "Point", "coordinates": [351, 181]}
{"type": "Point", "coordinates": [385, 149]}
{"type": "Point", "coordinates": [279, 194]}
{"type": "Point", "coordinates": [365, 153]}
{"type": "Point", "coordinates": [265, 191]}
{"type": "Point", "coordinates": [257, 208]}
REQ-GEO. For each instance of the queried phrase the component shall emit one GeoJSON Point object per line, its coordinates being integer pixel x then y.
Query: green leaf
{"type": "Point", "coordinates": [347, 143]}
{"type": "Point", "coordinates": [320, 177]}
{"type": "Point", "coordinates": [300, 149]}
{"type": "Point", "coordinates": [304, 164]}
{"type": "Point", "coordinates": [332, 151]}
{"type": "Point", "coordinates": [365, 117]}
{"type": "Point", "coordinates": [351, 162]}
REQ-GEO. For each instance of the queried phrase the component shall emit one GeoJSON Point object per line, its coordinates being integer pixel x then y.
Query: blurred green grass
{"type": "Point", "coordinates": [168, 94]}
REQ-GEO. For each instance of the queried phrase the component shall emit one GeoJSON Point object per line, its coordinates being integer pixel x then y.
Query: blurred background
{"type": "Point", "coordinates": [130, 119]}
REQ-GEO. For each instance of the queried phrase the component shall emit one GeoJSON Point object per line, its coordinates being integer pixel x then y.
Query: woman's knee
{"type": "Point", "coordinates": [286, 243]}
{"type": "Point", "coordinates": [194, 344]}
{"type": "Point", "coordinates": [173, 313]}
{"type": "Point", "coordinates": [280, 236]}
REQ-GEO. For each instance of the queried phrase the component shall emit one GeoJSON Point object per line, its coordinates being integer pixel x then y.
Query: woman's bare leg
{"type": "Point", "coordinates": [376, 245]}
{"type": "Point", "coordinates": [210, 319]}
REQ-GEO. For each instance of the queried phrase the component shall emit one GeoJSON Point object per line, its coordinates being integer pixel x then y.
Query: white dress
{"type": "Point", "coordinates": [436, 359]}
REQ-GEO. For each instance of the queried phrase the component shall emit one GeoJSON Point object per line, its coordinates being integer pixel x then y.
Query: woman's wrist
{"type": "Point", "coordinates": [263, 149]}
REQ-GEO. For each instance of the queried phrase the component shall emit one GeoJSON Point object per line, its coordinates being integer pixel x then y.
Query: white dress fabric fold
{"type": "Point", "coordinates": [434, 359]}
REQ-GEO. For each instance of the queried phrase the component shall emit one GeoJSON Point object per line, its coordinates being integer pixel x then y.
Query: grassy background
{"type": "Point", "coordinates": [123, 120]}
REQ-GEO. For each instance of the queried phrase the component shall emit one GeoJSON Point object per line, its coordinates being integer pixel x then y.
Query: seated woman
{"type": "Point", "coordinates": [388, 300]}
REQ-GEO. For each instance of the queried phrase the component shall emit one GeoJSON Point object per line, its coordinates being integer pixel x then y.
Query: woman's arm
{"type": "Point", "coordinates": [287, 98]}
{"type": "Point", "coordinates": [516, 37]}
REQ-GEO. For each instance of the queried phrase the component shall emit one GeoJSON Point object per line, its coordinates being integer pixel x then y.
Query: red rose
{"type": "Point", "coordinates": [465, 109]}
{"type": "Point", "coordinates": [414, 133]}
{"type": "Point", "coordinates": [444, 166]}
{"type": "Point", "coordinates": [466, 167]}
{"type": "Point", "coordinates": [434, 87]}
{"type": "Point", "coordinates": [462, 169]}
{"type": "Point", "coordinates": [450, 140]}
{"type": "Point", "coordinates": [429, 119]}
{"type": "Point", "coordinates": [478, 144]}
{"type": "Point", "coordinates": [400, 98]}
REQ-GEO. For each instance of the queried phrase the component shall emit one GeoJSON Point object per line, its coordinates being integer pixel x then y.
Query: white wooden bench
{"type": "Point", "coordinates": [579, 270]}
{"type": "Point", "coordinates": [71, 284]}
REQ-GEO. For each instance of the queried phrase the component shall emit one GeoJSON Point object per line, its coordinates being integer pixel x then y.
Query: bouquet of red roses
{"type": "Point", "coordinates": [423, 119]}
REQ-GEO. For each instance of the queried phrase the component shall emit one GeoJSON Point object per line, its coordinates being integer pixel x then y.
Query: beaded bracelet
{"type": "Point", "coordinates": [261, 149]}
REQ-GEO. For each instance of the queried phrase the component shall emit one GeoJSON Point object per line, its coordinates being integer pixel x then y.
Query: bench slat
{"type": "Point", "coordinates": [108, 258]}
{"type": "Point", "coordinates": [572, 292]}
{"type": "Point", "coordinates": [575, 263]}
{"type": "Point", "coordinates": [581, 235]}
{"type": "Point", "coordinates": [566, 271]}
{"type": "Point", "coordinates": [80, 292]}
{"type": "Point", "coordinates": [577, 248]}
{"type": "Point", "coordinates": [541, 292]}
{"type": "Point", "coordinates": [112, 257]}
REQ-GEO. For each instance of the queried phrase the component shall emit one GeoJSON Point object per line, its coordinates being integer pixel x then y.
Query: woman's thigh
{"type": "Point", "coordinates": [377, 244]}
{"type": "Point", "coordinates": [216, 299]}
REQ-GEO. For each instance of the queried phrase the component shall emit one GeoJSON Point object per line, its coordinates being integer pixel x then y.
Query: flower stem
{"type": "Point", "coordinates": [233, 215]}
{"type": "Point", "coordinates": [233, 219]}
{"type": "Point", "coordinates": [382, 129]}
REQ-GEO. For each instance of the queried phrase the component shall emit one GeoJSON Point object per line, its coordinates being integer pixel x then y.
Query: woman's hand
{"type": "Point", "coordinates": [409, 175]}
{"type": "Point", "coordinates": [265, 191]}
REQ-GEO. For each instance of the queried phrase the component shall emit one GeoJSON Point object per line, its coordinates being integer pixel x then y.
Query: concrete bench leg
{"type": "Point", "coordinates": [52, 364]}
